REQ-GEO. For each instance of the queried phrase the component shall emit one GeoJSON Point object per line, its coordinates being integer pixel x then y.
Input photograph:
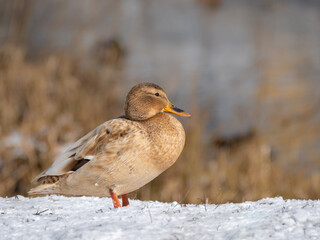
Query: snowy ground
{"type": "Point", "coordinates": [57, 217]}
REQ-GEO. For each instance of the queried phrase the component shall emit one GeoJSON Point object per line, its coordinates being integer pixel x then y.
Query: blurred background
{"type": "Point", "coordinates": [247, 70]}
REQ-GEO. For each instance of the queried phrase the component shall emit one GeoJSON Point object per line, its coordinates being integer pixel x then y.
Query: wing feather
{"type": "Point", "coordinates": [87, 147]}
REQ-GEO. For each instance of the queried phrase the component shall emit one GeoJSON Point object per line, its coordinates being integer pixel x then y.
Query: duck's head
{"type": "Point", "coordinates": [145, 100]}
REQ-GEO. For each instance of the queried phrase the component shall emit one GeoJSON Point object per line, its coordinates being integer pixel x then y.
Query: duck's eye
{"type": "Point", "coordinates": [157, 94]}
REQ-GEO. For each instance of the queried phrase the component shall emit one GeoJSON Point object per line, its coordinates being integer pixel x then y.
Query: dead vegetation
{"type": "Point", "coordinates": [47, 104]}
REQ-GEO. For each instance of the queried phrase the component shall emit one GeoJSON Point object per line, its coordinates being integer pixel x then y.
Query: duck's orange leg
{"type": "Point", "coordinates": [115, 199]}
{"type": "Point", "coordinates": [125, 200]}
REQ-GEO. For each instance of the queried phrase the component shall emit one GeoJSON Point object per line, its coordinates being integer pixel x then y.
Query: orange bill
{"type": "Point", "coordinates": [173, 109]}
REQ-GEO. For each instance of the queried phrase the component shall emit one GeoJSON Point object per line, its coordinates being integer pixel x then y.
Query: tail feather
{"type": "Point", "coordinates": [43, 189]}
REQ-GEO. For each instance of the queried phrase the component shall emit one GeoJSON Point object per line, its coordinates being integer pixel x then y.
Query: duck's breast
{"type": "Point", "coordinates": [167, 137]}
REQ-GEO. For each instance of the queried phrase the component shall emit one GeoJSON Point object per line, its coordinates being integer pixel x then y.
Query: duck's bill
{"type": "Point", "coordinates": [173, 109]}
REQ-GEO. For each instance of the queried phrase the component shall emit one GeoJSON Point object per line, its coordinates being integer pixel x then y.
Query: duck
{"type": "Point", "coordinates": [122, 154]}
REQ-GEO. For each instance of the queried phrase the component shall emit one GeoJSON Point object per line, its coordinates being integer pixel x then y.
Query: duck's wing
{"type": "Point", "coordinates": [109, 135]}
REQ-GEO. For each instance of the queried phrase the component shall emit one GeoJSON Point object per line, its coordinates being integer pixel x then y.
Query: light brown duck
{"type": "Point", "coordinates": [122, 154]}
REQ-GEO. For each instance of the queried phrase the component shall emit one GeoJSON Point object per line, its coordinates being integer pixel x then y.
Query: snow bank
{"type": "Point", "coordinates": [57, 217]}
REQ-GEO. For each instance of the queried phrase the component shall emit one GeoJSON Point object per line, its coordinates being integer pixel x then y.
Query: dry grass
{"type": "Point", "coordinates": [49, 103]}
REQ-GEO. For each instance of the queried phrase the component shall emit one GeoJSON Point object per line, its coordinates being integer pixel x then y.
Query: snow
{"type": "Point", "coordinates": [58, 217]}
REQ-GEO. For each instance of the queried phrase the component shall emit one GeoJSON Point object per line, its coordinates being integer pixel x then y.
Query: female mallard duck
{"type": "Point", "coordinates": [120, 155]}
